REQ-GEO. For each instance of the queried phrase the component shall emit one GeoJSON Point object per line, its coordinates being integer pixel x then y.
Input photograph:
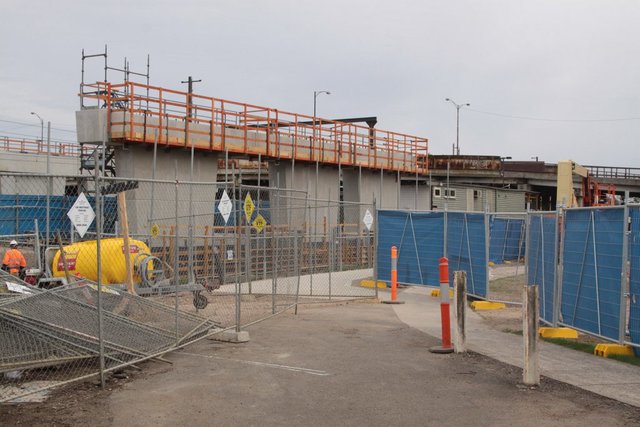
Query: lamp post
{"type": "Point", "coordinates": [458, 107]}
{"type": "Point", "coordinates": [317, 93]}
{"type": "Point", "coordinates": [33, 113]}
{"type": "Point", "coordinates": [48, 214]}
{"type": "Point", "coordinates": [502, 159]}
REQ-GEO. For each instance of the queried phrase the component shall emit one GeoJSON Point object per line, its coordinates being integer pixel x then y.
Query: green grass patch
{"type": "Point", "coordinates": [632, 360]}
{"type": "Point", "coordinates": [573, 344]}
{"type": "Point", "coordinates": [581, 346]}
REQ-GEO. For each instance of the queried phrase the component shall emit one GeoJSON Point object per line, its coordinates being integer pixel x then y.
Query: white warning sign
{"type": "Point", "coordinates": [81, 214]}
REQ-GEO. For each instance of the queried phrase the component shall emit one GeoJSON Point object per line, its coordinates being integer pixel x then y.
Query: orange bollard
{"type": "Point", "coordinates": [444, 309]}
{"type": "Point", "coordinates": [394, 273]}
{"type": "Point", "coordinates": [394, 277]}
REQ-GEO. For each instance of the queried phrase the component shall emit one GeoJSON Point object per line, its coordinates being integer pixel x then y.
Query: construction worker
{"type": "Point", "coordinates": [13, 260]}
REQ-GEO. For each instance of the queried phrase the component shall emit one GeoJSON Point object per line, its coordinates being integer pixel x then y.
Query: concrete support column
{"type": "Point", "coordinates": [303, 177]}
{"type": "Point", "coordinates": [135, 161]}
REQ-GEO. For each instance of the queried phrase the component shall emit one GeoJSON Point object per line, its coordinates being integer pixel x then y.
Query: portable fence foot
{"type": "Point", "coordinates": [231, 336]}
{"type": "Point", "coordinates": [441, 350]}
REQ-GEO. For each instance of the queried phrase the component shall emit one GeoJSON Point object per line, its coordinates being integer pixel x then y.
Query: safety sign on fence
{"type": "Point", "coordinates": [224, 207]}
{"type": "Point", "coordinates": [368, 220]}
{"type": "Point", "coordinates": [154, 230]}
{"type": "Point", "coordinates": [249, 207]}
{"type": "Point", "coordinates": [81, 214]}
{"type": "Point", "coordinates": [259, 223]}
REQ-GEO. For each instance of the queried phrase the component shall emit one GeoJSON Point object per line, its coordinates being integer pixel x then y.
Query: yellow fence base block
{"type": "Point", "coordinates": [436, 293]}
{"type": "Point", "coordinates": [370, 284]}
{"type": "Point", "coordinates": [606, 350]}
{"type": "Point", "coordinates": [487, 305]}
{"type": "Point", "coordinates": [567, 333]}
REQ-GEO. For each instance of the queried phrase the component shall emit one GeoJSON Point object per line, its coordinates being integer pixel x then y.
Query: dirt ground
{"type": "Point", "coordinates": [344, 364]}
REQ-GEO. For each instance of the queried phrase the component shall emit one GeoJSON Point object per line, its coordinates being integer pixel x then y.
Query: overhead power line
{"type": "Point", "coordinates": [24, 135]}
{"type": "Point", "coordinates": [36, 125]}
{"type": "Point", "coordinates": [539, 119]}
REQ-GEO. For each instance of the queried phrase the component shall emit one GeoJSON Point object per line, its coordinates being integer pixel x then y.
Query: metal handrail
{"type": "Point", "coordinates": [37, 146]}
{"type": "Point", "coordinates": [213, 124]}
{"type": "Point", "coordinates": [613, 172]}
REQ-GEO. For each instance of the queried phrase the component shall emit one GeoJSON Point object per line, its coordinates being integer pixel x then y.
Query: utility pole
{"type": "Point", "coordinates": [190, 83]}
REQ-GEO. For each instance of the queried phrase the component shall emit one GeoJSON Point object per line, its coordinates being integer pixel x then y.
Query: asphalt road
{"type": "Point", "coordinates": [349, 365]}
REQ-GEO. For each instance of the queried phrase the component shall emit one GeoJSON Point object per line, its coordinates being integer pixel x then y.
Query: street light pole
{"type": "Point", "coordinates": [502, 159]}
{"type": "Point", "coordinates": [317, 93]}
{"type": "Point", "coordinates": [41, 128]}
{"type": "Point", "coordinates": [458, 107]}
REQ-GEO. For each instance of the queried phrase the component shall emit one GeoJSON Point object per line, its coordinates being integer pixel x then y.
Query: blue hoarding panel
{"type": "Point", "coordinates": [591, 281]}
{"type": "Point", "coordinates": [466, 249]}
{"type": "Point", "coordinates": [541, 260]}
{"type": "Point", "coordinates": [418, 237]}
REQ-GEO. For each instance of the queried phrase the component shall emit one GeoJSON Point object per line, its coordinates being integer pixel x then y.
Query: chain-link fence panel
{"type": "Point", "coordinates": [175, 262]}
{"type": "Point", "coordinates": [34, 212]}
{"type": "Point", "coordinates": [507, 236]}
{"type": "Point", "coordinates": [351, 250]}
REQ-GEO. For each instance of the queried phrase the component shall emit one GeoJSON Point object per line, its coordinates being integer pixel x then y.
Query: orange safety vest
{"type": "Point", "coordinates": [14, 259]}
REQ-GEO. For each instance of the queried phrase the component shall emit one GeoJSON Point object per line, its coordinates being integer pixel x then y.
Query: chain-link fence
{"type": "Point", "coordinates": [176, 261]}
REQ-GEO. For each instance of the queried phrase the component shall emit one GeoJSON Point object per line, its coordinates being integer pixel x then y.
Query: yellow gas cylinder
{"type": "Point", "coordinates": [82, 259]}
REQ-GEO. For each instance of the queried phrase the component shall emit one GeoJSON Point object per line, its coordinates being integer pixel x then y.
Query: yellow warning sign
{"type": "Point", "coordinates": [155, 230]}
{"type": "Point", "coordinates": [259, 223]}
{"type": "Point", "coordinates": [248, 207]}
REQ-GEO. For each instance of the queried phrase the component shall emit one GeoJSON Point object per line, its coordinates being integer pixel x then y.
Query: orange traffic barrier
{"type": "Point", "coordinates": [394, 277]}
{"type": "Point", "coordinates": [394, 273]}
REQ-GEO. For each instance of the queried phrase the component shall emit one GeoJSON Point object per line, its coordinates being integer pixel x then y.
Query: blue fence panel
{"type": "Point", "coordinates": [429, 235]}
{"type": "Point", "coordinates": [19, 212]}
{"type": "Point", "coordinates": [506, 242]}
{"type": "Point", "coordinates": [541, 260]}
{"type": "Point", "coordinates": [418, 237]}
{"type": "Point", "coordinates": [466, 250]}
{"type": "Point", "coordinates": [592, 270]}
{"type": "Point", "coordinates": [634, 278]}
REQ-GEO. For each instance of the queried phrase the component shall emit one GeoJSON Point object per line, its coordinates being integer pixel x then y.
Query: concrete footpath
{"type": "Point", "coordinates": [607, 377]}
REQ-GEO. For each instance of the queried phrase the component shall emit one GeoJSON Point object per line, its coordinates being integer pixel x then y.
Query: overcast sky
{"type": "Point", "coordinates": [554, 79]}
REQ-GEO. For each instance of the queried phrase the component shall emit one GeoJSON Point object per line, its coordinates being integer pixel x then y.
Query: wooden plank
{"type": "Point", "coordinates": [124, 226]}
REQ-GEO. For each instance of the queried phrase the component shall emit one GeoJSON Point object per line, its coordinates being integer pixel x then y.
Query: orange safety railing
{"type": "Point", "coordinates": [37, 146]}
{"type": "Point", "coordinates": [142, 113]}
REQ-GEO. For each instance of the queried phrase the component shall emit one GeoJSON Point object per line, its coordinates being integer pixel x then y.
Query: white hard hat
{"type": "Point", "coordinates": [13, 243]}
